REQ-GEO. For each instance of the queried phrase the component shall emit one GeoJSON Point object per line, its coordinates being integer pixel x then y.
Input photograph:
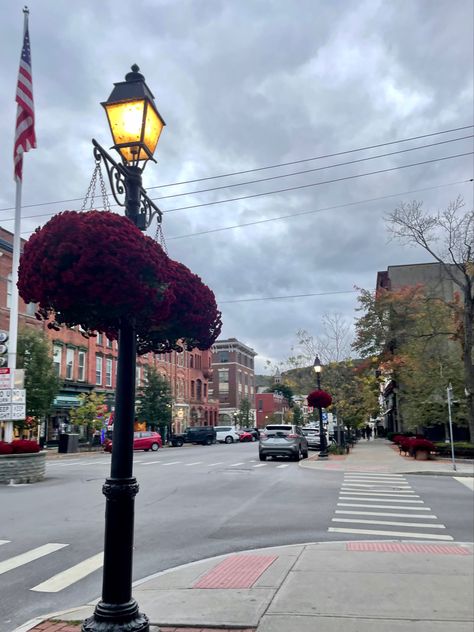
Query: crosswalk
{"type": "Point", "coordinates": [377, 504]}
{"type": "Point", "coordinates": [163, 462]}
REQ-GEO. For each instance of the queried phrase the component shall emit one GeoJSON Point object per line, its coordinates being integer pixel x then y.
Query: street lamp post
{"type": "Point", "coordinates": [323, 448]}
{"type": "Point", "coordinates": [136, 126]}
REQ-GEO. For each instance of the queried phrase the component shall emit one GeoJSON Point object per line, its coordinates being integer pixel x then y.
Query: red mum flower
{"type": "Point", "coordinates": [319, 399]}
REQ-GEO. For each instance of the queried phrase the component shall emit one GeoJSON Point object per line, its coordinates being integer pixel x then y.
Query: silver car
{"type": "Point", "coordinates": [282, 440]}
{"type": "Point", "coordinates": [312, 437]}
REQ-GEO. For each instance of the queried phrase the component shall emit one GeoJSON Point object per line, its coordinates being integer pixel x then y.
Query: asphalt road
{"type": "Point", "coordinates": [194, 502]}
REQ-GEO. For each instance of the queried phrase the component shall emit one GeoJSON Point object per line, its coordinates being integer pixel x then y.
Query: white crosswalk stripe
{"type": "Point", "coordinates": [366, 493]}
{"type": "Point", "coordinates": [29, 556]}
{"type": "Point", "coordinates": [4, 542]}
{"type": "Point", "coordinates": [71, 575]}
{"type": "Point", "coordinates": [281, 466]}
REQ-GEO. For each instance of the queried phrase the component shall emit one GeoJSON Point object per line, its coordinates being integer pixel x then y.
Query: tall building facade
{"type": "Point", "coordinates": [437, 283]}
{"type": "Point", "coordinates": [233, 377]}
{"type": "Point", "coordinates": [90, 364]}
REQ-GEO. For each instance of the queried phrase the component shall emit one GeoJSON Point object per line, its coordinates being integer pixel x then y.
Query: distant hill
{"type": "Point", "coordinates": [301, 381]}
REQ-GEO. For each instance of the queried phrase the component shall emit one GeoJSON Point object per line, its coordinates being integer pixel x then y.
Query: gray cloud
{"type": "Point", "coordinates": [242, 85]}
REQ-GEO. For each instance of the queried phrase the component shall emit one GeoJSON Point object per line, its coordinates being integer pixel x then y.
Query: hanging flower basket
{"type": "Point", "coordinates": [319, 399]}
{"type": "Point", "coordinates": [195, 322]}
{"type": "Point", "coordinates": [92, 269]}
{"type": "Point", "coordinates": [96, 268]}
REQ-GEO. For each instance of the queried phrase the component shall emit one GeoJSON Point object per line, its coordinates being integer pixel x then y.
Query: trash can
{"type": "Point", "coordinates": [68, 443]}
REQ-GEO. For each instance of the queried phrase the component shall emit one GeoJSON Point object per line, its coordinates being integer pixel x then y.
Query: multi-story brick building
{"type": "Point", "coordinates": [270, 408]}
{"type": "Point", "coordinates": [233, 376]}
{"type": "Point", "coordinates": [87, 364]}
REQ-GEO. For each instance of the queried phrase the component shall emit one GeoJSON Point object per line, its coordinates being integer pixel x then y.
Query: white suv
{"type": "Point", "coordinates": [226, 434]}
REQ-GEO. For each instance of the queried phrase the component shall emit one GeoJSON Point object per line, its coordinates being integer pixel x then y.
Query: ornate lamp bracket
{"type": "Point", "coordinates": [118, 174]}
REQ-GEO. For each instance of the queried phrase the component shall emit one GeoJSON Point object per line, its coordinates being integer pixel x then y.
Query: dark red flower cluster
{"type": "Point", "coordinates": [19, 446]}
{"type": "Point", "coordinates": [95, 268]}
{"type": "Point", "coordinates": [319, 399]}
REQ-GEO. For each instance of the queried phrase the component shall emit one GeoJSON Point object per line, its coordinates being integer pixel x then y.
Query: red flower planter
{"type": "Point", "coordinates": [319, 399]}
{"type": "Point", "coordinates": [95, 268]}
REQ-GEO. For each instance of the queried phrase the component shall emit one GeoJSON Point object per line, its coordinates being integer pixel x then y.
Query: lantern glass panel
{"type": "Point", "coordinates": [153, 128]}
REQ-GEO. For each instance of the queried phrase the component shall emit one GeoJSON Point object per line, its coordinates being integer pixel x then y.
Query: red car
{"type": "Point", "coordinates": [248, 435]}
{"type": "Point", "coordinates": [141, 441]}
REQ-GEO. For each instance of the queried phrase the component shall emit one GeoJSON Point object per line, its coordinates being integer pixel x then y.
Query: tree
{"type": "Point", "coordinates": [284, 390]}
{"type": "Point", "coordinates": [41, 381]}
{"type": "Point", "coordinates": [333, 345]}
{"type": "Point", "coordinates": [298, 418]}
{"type": "Point", "coordinates": [89, 413]}
{"type": "Point", "coordinates": [245, 416]}
{"type": "Point", "coordinates": [155, 401]}
{"type": "Point", "coordinates": [448, 236]}
{"type": "Point", "coordinates": [410, 336]}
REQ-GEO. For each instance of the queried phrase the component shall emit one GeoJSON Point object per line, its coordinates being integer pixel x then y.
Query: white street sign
{"type": "Point", "coordinates": [18, 411]}
{"type": "Point", "coordinates": [18, 396]}
{"type": "Point", "coordinates": [5, 378]}
{"type": "Point", "coordinates": [5, 395]}
{"type": "Point", "coordinates": [5, 412]}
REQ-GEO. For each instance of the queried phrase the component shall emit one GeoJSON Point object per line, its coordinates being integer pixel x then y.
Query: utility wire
{"type": "Point", "coordinates": [278, 298]}
{"type": "Point", "coordinates": [298, 213]}
{"type": "Point", "coordinates": [315, 184]}
{"type": "Point", "coordinates": [297, 173]}
{"type": "Point", "coordinates": [297, 162]}
{"type": "Point", "coordinates": [320, 210]}
{"type": "Point", "coordinates": [283, 164]}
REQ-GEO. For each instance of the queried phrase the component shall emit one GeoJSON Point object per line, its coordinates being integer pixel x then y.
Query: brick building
{"type": "Point", "coordinates": [270, 408]}
{"type": "Point", "coordinates": [233, 376]}
{"type": "Point", "coordinates": [87, 364]}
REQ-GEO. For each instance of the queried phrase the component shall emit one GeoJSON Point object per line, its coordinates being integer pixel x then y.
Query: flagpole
{"type": "Point", "coordinates": [13, 325]}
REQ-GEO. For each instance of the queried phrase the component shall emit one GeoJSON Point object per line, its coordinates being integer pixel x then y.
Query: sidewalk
{"type": "Point", "coordinates": [380, 455]}
{"type": "Point", "coordinates": [360, 586]}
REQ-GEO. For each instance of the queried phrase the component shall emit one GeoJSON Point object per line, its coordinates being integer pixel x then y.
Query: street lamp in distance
{"type": "Point", "coordinates": [323, 447]}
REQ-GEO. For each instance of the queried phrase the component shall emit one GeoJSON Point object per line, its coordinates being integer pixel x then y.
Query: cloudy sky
{"type": "Point", "coordinates": [246, 84]}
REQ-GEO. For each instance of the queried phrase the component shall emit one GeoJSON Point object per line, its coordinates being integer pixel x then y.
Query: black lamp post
{"type": "Point", "coordinates": [136, 126]}
{"type": "Point", "coordinates": [323, 447]}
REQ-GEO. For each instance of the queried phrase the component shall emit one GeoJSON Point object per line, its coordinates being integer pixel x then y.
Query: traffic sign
{"type": "Point", "coordinates": [18, 411]}
{"type": "Point", "coordinates": [5, 395]}
{"type": "Point", "coordinates": [18, 396]}
{"type": "Point", "coordinates": [5, 412]}
{"type": "Point", "coordinates": [5, 378]}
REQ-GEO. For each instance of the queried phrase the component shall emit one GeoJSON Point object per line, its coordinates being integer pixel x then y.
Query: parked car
{"type": "Point", "coordinates": [312, 437]}
{"type": "Point", "coordinates": [145, 440]}
{"type": "Point", "coordinates": [283, 440]}
{"type": "Point", "coordinates": [248, 434]}
{"type": "Point", "coordinates": [177, 440]}
{"type": "Point", "coordinates": [206, 435]}
{"type": "Point", "coordinates": [227, 434]}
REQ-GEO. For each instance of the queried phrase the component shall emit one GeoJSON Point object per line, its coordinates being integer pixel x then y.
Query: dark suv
{"type": "Point", "coordinates": [206, 435]}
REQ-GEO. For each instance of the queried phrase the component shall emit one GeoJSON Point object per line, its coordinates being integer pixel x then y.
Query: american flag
{"type": "Point", "coordinates": [25, 138]}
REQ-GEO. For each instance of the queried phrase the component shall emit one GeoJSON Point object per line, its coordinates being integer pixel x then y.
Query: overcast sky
{"type": "Point", "coordinates": [244, 84]}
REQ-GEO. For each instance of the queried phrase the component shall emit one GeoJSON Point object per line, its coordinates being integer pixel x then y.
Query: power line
{"type": "Point", "coordinates": [315, 184]}
{"type": "Point", "coordinates": [297, 173]}
{"type": "Point", "coordinates": [283, 164]}
{"type": "Point", "coordinates": [320, 210]}
{"type": "Point", "coordinates": [297, 162]}
{"type": "Point", "coordinates": [278, 298]}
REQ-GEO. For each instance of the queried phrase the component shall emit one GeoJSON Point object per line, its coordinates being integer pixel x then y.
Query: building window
{"type": "Point", "coordinates": [260, 404]}
{"type": "Point", "coordinates": [204, 386]}
{"type": "Point", "coordinates": [98, 370]}
{"type": "Point", "coordinates": [109, 343]}
{"type": "Point", "coordinates": [191, 361]}
{"type": "Point", "coordinates": [100, 339]}
{"type": "Point", "coordinates": [69, 363]}
{"type": "Point", "coordinates": [30, 309]}
{"type": "Point", "coordinates": [108, 371]}
{"type": "Point", "coordinates": [180, 359]}
{"type": "Point", "coordinates": [223, 356]}
{"type": "Point", "coordinates": [223, 380]}
{"type": "Point", "coordinates": [198, 362]}
{"type": "Point", "coordinates": [198, 389]}
{"type": "Point", "coordinates": [57, 353]}
{"type": "Point", "coordinates": [192, 389]}
{"type": "Point", "coordinates": [81, 366]}
{"type": "Point", "coordinates": [9, 290]}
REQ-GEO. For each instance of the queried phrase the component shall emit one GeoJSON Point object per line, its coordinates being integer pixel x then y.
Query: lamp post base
{"type": "Point", "coordinates": [117, 618]}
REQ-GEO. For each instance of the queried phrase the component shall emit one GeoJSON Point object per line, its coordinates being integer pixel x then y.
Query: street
{"type": "Point", "coordinates": [196, 502]}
